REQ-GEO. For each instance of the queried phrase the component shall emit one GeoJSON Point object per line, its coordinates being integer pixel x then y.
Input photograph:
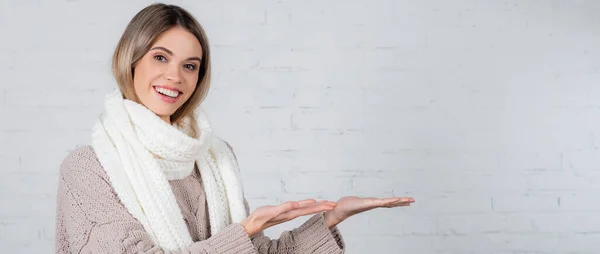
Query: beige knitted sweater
{"type": "Point", "coordinates": [90, 218]}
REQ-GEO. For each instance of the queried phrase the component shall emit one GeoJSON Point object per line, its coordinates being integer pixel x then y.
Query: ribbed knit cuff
{"type": "Point", "coordinates": [232, 239]}
{"type": "Point", "coordinates": [337, 236]}
{"type": "Point", "coordinates": [316, 237]}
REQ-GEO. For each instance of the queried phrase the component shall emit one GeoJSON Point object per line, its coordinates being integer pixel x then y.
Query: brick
{"type": "Point", "coordinates": [381, 244]}
{"type": "Point", "coordinates": [29, 183]}
{"type": "Point", "coordinates": [33, 246]}
{"type": "Point", "coordinates": [313, 97]}
{"type": "Point", "coordinates": [583, 160]}
{"type": "Point", "coordinates": [545, 243]}
{"type": "Point", "coordinates": [222, 55]}
{"type": "Point", "coordinates": [276, 141]}
{"type": "Point", "coordinates": [273, 98]}
{"type": "Point", "coordinates": [268, 118]}
{"type": "Point", "coordinates": [56, 145]}
{"type": "Point", "coordinates": [92, 73]}
{"type": "Point", "coordinates": [514, 243]}
{"type": "Point", "coordinates": [257, 185]}
{"type": "Point", "coordinates": [265, 162]}
{"type": "Point", "coordinates": [530, 161]}
{"type": "Point", "coordinates": [525, 203]}
{"type": "Point", "coordinates": [40, 205]}
{"type": "Point", "coordinates": [578, 243]}
{"type": "Point", "coordinates": [56, 97]}
{"type": "Point", "coordinates": [468, 224]}
{"type": "Point", "coordinates": [10, 163]}
{"type": "Point", "coordinates": [48, 119]}
{"type": "Point", "coordinates": [37, 162]}
{"type": "Point", "coordinates": [387, 222]}
{"type": "Point", "coordinates": [574, 222]}
{"type": "Point", "coordinates": [306, 161]}
{"type": "Point", "coordinates": [242, 14]}
{"type": "Point", "coordinates": [2, 99]}
{"type": "Point", "coordinates": [19, 231]}
{"type": "Point", "coordinates": [492, 183]}
{"type": "Point", "coordinates": [412, 96]}
{"type": "Point", "coordinates": [373, 184]}
{"type": "Point", "coordinates": [290, 59]}
{"type": "Point", "coordinates": [327, 118]}
{"type": "Point", "coordinates": [478, 243]}
{"type": "Point", "coordinates": [579, 202]}
{"type": "Point", "coordinates": [449, 204]}
{"type": "Point", "coordinates": [18, 208]}
{"type": "Point", "coordinates": [519, 223]}
{"type": "Point", "coordinates": [347, 141]}
{"type": "Point", "coordinates": [558, 180]}
{"type": "Point", "coordinates": [278, 14]}
{"type": "Point", "coordinates": [317, 183]}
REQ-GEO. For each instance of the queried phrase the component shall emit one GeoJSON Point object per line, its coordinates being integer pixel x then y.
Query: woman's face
{"type": "Point", "coordinates": [167, 75]}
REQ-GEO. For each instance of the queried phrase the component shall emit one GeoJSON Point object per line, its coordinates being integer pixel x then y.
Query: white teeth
{"type": "Point", "coordinates": [167, 92]}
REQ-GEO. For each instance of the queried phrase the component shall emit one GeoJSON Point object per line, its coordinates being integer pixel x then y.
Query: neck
{"type": "Point", "coordinates": [167, 119]}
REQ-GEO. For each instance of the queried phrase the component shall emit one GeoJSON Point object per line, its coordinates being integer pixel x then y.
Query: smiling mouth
{"type": "Point", "coordinates": [167, 95]}
{"type": "Point", "coordinates": [167, 92]}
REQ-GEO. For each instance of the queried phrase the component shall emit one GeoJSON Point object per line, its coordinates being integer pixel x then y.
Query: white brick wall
{"type": "Point", "coordinates": [485, 112]}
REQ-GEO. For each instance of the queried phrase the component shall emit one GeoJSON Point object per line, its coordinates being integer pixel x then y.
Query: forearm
{"type": "Point", "coordinates": [314, 236]}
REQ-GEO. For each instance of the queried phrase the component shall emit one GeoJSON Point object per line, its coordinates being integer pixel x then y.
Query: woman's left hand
{"type": "Point", "coordinates": [348, 206]}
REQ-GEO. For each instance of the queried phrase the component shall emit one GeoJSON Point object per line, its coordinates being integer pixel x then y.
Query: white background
{"type": "Point", "coordinates": [487, 113]}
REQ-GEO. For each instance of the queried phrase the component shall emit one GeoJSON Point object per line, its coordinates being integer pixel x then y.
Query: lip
{"type": "Point", "coordinates": [165, 98]}
{"type": "Point", "coordinates": [168, 87]}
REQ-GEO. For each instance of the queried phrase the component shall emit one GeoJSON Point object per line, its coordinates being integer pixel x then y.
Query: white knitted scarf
{"type": "Point", "coordinates": [141, 153]}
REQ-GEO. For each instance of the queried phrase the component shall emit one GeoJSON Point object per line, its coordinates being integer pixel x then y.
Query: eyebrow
{"type": "Point", "coordinates": [171, 53]}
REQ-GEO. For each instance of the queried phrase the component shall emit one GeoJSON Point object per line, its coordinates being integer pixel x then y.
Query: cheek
{"type": "Point", "coordinates": [139, 74]}
{"type": "Point", "coordinates": [191, 81]}
{"type": "Point", "coordinates": [144, 73]}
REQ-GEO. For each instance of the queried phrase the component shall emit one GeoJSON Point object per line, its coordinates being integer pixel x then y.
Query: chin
{"type": "Point", "coordinates": [162, 112]}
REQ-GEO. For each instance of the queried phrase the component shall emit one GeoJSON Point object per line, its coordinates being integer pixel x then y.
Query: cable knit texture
{"type": "Point", "coordinates": [92, 219]}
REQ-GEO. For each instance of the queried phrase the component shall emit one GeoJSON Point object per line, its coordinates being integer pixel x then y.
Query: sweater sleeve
{"type": "Point", "coordinates": [91, 219]}
{"type": "Point", "coordinates": [311, 237]}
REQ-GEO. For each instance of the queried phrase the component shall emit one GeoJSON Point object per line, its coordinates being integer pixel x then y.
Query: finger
{"type": "Point", "coordinates": [401, 202]}
{"type": "Point", "coordinates": [306, 202]}
{"type": "Point", "coordinates": [287, 206]}
{"type": "Point", "coordinates": [314, 208]}
{"type": "Point", "coordinates": [397, 205]}
{"type": "Point", "coordinates": [406, 199]}
{"type": "Point", "coordinates": [381, 202]}
{"type": "Point", "coordinates": [307, 210]}
{"type": "Point", "coordinates": [378, 202]}
{"type": "Point", "coordinates": [386, 201]}
{"type": "Point", "coordinates": [311, 208]}
{"type": "Point", "coordinates": [327, 202]}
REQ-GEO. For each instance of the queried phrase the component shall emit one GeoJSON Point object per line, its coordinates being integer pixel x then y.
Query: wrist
{"type": "Point", "coordinates": [244, 225]}
{"type": "Point", "coordinates": [331, 220]}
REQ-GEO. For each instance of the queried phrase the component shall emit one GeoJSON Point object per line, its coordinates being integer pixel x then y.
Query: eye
{"type": "Point", "coordinates": [160, 58]}
{"type": "Point", "coordinates": [190, 66]}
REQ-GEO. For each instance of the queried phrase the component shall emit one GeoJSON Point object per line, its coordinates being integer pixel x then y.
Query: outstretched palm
{"type": "Point", "coordinates": [352, 205]}
{"type": "Point", "coordinates": [270, 215]}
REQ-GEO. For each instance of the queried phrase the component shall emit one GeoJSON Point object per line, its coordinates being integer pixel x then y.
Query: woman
{"type": "Point", "coordinates": [156, 179]}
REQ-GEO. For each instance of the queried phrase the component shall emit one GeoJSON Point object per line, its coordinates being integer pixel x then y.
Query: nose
{"type": "Point", "coordinates": [173, 74]}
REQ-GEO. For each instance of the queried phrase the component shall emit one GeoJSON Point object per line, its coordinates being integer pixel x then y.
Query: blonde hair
{"type": "Point", "coordinates": [141, 32]}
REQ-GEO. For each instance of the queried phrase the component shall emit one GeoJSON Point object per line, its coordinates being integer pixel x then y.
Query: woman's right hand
{"type": "Point", "coordinates": [268, 216]}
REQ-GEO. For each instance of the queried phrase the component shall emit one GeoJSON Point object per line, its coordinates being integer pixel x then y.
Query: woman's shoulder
{"type": "Point", "coordinates": [82, 163]}
{"type": "Point", "coordinates": [85, 188]}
